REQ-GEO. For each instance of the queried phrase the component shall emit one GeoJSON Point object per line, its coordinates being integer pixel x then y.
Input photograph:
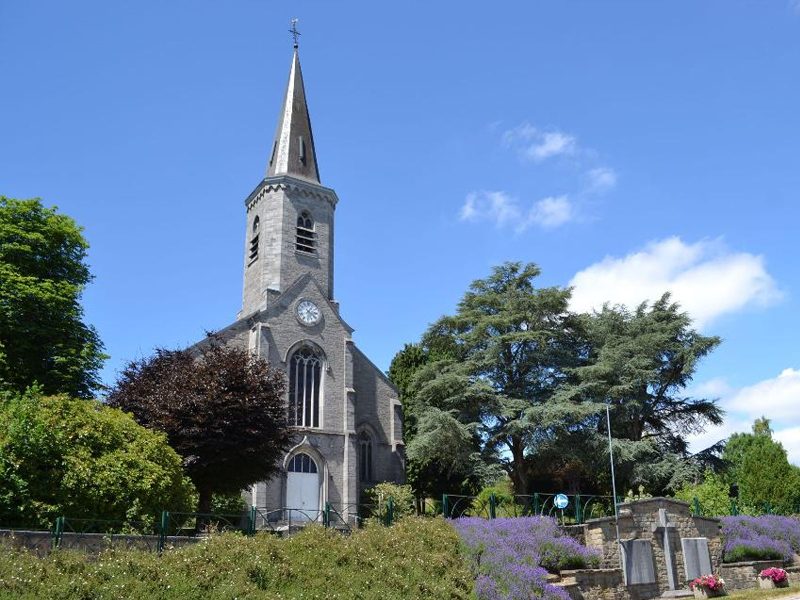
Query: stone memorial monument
{"type": "Point", "coordinates": [696, 557]}
{"type": "Point", "coordinates": [637, 561]}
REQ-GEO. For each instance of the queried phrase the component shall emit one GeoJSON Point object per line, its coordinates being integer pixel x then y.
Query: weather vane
{"type": "Point", "coordinates": [294, 31]}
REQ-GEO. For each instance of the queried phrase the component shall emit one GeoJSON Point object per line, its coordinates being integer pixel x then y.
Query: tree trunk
{"type": "Point", "coordinates": [518, 471]}
{"type": "Point", "coordinates": [203, 506]}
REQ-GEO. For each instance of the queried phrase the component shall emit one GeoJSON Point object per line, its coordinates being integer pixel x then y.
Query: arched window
{"type": "Point", "coordinates": [365, 456]}
{"type": "Point", "coordinates": [302, 463]}
{"type": "Point", "coordinates": [305, 378]}
{"type": "Point", "coordinates": [305, 241]}
{"type": "Point", "coordinates": [254, 241]}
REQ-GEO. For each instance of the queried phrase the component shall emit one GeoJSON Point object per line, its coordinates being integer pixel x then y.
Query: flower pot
{"type": "Point", "coordinates": [766, 583]}
{"type": "Point", "coordinates": [701, 592]}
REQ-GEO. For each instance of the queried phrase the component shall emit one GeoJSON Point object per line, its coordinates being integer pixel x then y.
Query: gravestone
{"type": "Point", "coordinates": [637, 561]}
{"type": "Point", "coordinates": [696, 557]}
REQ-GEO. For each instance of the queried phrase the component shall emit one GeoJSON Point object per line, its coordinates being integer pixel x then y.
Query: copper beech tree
{"type": "Point", "coordinates": [223, 412]}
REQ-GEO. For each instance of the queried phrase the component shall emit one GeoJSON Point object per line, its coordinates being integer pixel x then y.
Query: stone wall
{"type": "Point", "coordinates": [744, 575]}
{"type": "Point", "coordinates": [640, 520]}
{"type": "Point", "coordinates": [41, 542]}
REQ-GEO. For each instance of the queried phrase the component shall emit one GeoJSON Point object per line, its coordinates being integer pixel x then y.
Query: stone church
{"type": "Point", "coordinates": [345, 412]}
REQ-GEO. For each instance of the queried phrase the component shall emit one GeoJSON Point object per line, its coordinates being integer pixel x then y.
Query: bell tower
{"type": "Point", "coordinates": [290, 223]}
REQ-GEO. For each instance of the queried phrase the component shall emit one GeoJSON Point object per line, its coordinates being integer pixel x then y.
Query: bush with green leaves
{"type": "Point", "coordinates": [402, 500]}
{"type": "Point", "coordinates": [503, 492]}
{"type": "Point", "coordinates": [712, 493]}
{"type": "Point", "coordinates": [416, 559]}
{"type": "Point", "coordinates": [81, 459]}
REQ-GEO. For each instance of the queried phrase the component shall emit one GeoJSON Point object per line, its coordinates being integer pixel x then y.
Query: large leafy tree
{"type": "Point", "coordinates": [640, 363]}
{"type": "Point", "coordinates": [490, 401]}
{"type": "Point", "coordinates": [760, 470]}
{"type": "Point", "coordinates": [223, 412]}
{"type": "Point", "coordinates": [79, 458]}
{"type": "Point", "coordinates": [426, 475]}
{"type": "Point", "coordinates": [43, 272]}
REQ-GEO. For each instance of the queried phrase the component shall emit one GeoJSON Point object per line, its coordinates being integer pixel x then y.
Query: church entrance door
{"type": "Point", "coordinates": [302, 489]}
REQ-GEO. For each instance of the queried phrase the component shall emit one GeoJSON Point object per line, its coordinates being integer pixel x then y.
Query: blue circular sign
{"type": "Point", "coordinates": [562, 501]}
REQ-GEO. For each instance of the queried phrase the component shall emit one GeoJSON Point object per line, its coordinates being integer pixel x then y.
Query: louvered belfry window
{"type": "Point", "coordinates": [305, 241]}
{"type": "Point", "coordinates": [254, 241]}
{"type": "Point", "coordinates": [305, 378]}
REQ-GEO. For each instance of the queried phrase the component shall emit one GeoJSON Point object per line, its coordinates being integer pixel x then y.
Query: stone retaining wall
{"type": "Point", "coordinates": [744, 575]}
{"type": "Point", "coordinates": [41, 542]}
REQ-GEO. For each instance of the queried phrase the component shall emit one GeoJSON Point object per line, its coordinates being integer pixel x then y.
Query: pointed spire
{"type": "Point", "coordinates": [292, 151]}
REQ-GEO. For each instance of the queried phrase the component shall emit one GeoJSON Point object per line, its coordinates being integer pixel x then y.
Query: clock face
{"type": "Point", "coordinates": [307, 312]}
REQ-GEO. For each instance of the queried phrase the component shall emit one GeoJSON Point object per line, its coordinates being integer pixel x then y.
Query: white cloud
{"type": "Point", "coordinates": [794, 6]}
{"type": "Point", "coordinates": [550, 144]}
{"type": "Point", "coordinates": [705, 278]}
{"type": "Point", "coordinates": [777, 398]}
{"type": "Point", "coordinates": [552, 212]}
{"type": "Point", "coordinates": [495, 207]}
{"type": "Point", "coordinates": [538, 145]}
{"type": "Point", "coordinates": [500, 210]}
{"type": "Point", "coordinates": [601, 179]}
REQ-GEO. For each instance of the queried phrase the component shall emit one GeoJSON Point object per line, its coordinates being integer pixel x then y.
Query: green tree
{"type": "Point", "coordinates": [640, 363]}
{"type": "Point", "coordinates": [490, 400]}
{"type": "Point", "coordinates": [760, 469]}
{"type": "Point", "coordinates": [713, 494]}
{"type": "Point", "coordinates": [81, 459]}
{"type": "Point", "coordinates": [43, 273]}
{"type": "Point", "coordinates": [426, 476]}
{"type": "Point", "coordinates": [223, 411]}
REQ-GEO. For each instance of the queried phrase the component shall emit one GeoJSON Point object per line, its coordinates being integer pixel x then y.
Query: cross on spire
{"type": "Point", "coordinates": [293, 31]}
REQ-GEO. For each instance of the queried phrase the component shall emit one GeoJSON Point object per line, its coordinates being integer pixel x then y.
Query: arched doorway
{"type": "Point", "coordinates": [302, 488]}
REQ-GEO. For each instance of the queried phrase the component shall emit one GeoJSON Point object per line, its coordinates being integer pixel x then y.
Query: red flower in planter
{"type": "Point", "coordinates": [712, 582]}
{"type": "Point", "coordinates": [777, 574]}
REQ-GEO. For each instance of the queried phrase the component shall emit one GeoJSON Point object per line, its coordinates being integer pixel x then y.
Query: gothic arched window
{"type": "Point", "coordinates": [305, 379]}
{"type": "Point", "coordinates": [305, 241]}
{"type": "Point", "coordinates": [302, 463]}
{"type": "Point", "coordinates": [254, 240]}
{"type": "Point", "coordinates": [365, 456]}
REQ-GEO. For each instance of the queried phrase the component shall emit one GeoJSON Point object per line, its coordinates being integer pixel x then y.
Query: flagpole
{"type": "Point", "coordinates": [613, 486]}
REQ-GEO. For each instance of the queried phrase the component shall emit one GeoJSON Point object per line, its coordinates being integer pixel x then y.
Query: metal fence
{"type": "Point", "coordinates": [578, 509]}
{"type": "Point", "coordinates": [343, 517]}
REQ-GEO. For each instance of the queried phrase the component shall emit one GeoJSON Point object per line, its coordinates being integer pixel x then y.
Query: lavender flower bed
{"type": "Point", "coordinates": [511, 557]}
{"type": "Point", "coordinates": [768, 537]}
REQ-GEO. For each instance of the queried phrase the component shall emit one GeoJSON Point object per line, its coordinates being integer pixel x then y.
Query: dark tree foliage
{"type": "Point", "coordinates": [505, 353]}
{"type": "Point", "coordinates": [427, 476]}
{"type": "Point", "coordinates": [223, 412]}
{"type": "Point", "coordinates": [640, 364]}
{"type": "Point", "coordinates": [43, 273]}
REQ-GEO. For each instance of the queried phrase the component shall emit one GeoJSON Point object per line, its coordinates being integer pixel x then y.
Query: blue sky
{"type": "Point", "coordinates": [626, 147]}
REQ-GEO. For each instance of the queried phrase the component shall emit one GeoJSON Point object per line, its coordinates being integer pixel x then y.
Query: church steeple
{"type": "Point", "coordinates": [292, 150]}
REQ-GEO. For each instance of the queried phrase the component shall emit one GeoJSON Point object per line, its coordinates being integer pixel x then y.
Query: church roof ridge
{"type": "Point", "coordinates": [292, 151]}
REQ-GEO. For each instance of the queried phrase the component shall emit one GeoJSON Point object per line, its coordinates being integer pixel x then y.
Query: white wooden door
{"type": "Point", "coordinates": [302, 489]}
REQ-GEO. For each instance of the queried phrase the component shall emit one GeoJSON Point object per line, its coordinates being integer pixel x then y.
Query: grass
{"type": "Point", "coordinates": [415, 559]}
{"type": "Point", "coordinates": [759, 594]}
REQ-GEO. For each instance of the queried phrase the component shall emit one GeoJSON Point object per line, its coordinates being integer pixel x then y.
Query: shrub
{"type": "Point", "coordinates": [712, 493]}
{"type": "Point", "coordinates": [417, 559]}
{"type": "Point", "coordinates": [504, 497]}
{"type": "Point", "coordinates": [81, 459]}
{"type": "Point", "coordinates": [511, 558]}
{"type": "Point", "coordinates": [402, 499]}
{"type": "Point", "coordinates": [769, 537]}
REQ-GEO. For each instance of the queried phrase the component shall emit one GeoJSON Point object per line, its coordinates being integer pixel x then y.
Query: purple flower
{"type": "Point", "coordinates": [511, 557]}
{"type": "Point", "coordinates": [765, 537]}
